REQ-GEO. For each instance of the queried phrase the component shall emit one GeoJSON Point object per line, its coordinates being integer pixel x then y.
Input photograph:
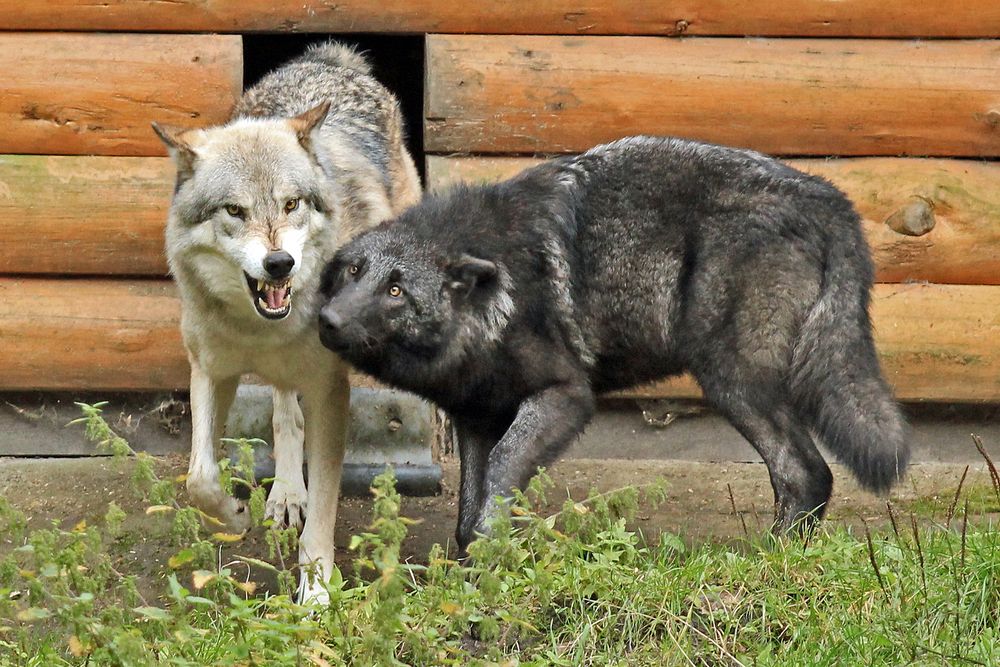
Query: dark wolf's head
{"type": "Point", "coordinates": [404, 304]}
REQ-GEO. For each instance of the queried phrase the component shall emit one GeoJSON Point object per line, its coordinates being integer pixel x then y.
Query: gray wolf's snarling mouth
{"type": "Point", "coordinates": [273, 301]}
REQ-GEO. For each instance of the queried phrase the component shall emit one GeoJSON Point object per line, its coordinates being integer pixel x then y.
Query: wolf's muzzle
{"type": "Point", "coordinates": [332, 330]}
{"type": "Point", "coordinates": [329, 322]}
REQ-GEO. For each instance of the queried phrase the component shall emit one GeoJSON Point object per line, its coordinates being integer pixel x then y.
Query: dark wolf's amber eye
{"type": "Point", "coordinates": [234, 210]}
{"type": "Point", "coordinates": [291, 204]}
{"type": "Point", "coordinates": [353, 269]}
{"type": "Point", "coordinates": [395, 290]}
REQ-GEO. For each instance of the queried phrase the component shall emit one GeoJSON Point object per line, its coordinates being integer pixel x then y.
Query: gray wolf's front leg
{"type": "Point", "coordinates": [545, 424]}
{"type": "Point", "coordinates": [326, 414]}
{"type": "Point", "coordinates": [210, 402]}
{"type": "Point", "coordinates": [286, 502]}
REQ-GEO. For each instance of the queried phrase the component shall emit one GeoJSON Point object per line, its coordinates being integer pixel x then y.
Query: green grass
{"type": "Point", "coordinates": [575, 588]}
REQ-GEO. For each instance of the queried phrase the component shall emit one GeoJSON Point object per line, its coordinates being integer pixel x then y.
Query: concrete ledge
{"type": "Point", "coordinates": [387, 428]}
{"type": "Point", "coordinates": [685, 431]}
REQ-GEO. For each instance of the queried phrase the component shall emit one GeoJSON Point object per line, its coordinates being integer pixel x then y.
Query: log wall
{"type": "Point", "coordinates": [956, 201]}
{"type": "Point", "coordinates": [529, 94]}
{"type": "Point", "coordinates": [910, 130]}
{"type": "Point", "coordinates": [813, 18]}
{"type": "Point", "coordinates": [936, 342]}
{"type": "Point", "coordinates": [96, 94]}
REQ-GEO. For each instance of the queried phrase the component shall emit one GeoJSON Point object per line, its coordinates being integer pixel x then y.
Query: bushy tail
{"type": "Point", "coordinates": [338, 55]}
{"type": "Point", "coordinates": [836, 378]}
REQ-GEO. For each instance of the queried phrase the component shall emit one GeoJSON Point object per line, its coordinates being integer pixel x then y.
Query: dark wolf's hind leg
{"type": "Point", "coordinates": [801, 480]}
{"type": "Point", "coordinates": [742, 356]}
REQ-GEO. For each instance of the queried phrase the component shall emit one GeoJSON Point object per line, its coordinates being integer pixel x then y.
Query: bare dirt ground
{"type": "Point", "coordinates": [701, 499]}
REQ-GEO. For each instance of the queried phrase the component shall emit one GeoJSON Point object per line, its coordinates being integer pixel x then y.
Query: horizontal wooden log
{"type": "Point", "coordinates": [937, 342]}
{"type": "Point", "coordinates": [71, 94]}
{"type": "Point", "coordinates": [90, 334]}
{"type": "Point", "coordinates": [856, 18]}
{"type": "Point", "coordinates": [94, 335]}
{"type": "Point", "coordinates": [84, 214]}
{"type": "Point", "coordinates": [959, 197]}
{"type": "Point", "coordinates": [536, 94]}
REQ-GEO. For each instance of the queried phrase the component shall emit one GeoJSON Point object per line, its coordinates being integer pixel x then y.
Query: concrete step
{"type": "Point", "coordinates": [685, 431]}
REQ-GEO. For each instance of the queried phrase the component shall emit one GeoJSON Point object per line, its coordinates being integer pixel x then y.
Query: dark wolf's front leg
{"type": "Point", "coordinates": [545, 424]}
{"type": "Point", "coordinates": [475, 440]}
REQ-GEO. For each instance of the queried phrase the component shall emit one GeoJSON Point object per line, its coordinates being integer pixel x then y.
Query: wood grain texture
{"type": "Point", "coordinates": [95, 335]}
{"type": "Point", "coordinates": [861, 18]}
{"type": "Point", "coordinates": [90, 334]}
{"type": "Point", "coordinates": [536, 94]}
{"type": "Point", "coordinates": [72, 94]}
{"type": "Point", "coordinates": [937, 342]}
{"type": "Point", "coordinates": [83, 214]}
{"type": "Point", "coordinates": [962, 198]}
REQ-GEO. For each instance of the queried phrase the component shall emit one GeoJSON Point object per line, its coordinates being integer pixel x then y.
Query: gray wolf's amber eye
{"type": "Point", "coordinates": [291, 204]}
{"type": "Point", "coordinates": [234, 210]}
{"type": "Point", "coordinates": [353, 269]}
{"type": "Point", "coordinates": [395, 291]}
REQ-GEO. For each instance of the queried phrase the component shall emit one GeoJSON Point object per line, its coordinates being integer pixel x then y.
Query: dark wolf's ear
{"type": "Point", "coordinates": [468, 272]}
{"type": "Point", "coordinates": [306, 123]}
{"type": "Point", "coordinates": [179, 145]}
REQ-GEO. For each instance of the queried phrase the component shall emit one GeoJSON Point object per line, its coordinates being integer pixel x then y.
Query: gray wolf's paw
{"type": "Point", "coordinates": [311, 592]}
{"type": "Point", "coordinates": [286, 505]}
{"type": "Point", "coordinates": [210, 498]}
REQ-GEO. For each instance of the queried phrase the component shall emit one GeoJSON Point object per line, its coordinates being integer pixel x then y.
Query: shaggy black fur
{"type": "Point", "coordinates": [512, 305]}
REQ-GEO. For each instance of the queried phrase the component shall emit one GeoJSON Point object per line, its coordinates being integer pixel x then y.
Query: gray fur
{"type": "Point", "coordinates": [635, 261]}
{"type": "Point", "coordinates": [314, 154]}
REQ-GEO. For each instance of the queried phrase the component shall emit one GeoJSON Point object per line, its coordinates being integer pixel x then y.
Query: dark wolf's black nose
{"type": "Point", "coordinates": [329, 321]}
{"type": "Point", "coordinates": [278, 264]}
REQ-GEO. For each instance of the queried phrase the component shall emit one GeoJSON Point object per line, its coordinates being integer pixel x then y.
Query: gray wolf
{"type": "Point", "coordinates": [512, 305]}
{"type": "Point", "coordinates": [313, 154]}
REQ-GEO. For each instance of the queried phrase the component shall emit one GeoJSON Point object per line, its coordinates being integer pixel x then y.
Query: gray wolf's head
{"type": "Point", "coordinates": [250, 218]}
{"type": "Point", "coordinates": [396, 306]}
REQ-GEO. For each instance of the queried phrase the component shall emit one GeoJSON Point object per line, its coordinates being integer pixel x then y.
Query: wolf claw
{"type": "Point", "coordinates": [286, 505]}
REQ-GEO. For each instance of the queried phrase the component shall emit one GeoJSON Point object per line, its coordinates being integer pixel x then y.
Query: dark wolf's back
{"type": "Point", "coordinates": [665, 226]}
{"type": "Point", "coordinates": [683, 223]}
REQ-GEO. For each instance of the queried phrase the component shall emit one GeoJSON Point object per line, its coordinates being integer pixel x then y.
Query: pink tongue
{"type": "Point", "coordinates": [275, 297]}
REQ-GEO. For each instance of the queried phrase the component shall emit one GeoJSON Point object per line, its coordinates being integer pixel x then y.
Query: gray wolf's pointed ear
{"type": "Point", "coordinates": [180, 146]}
{"type": "Point", "coordinates": [306, 123]}
{"type": "Point", "coordinates": [468, 272]}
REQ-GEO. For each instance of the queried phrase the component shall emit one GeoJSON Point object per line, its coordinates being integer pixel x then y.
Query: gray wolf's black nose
{"type": "Point", "coordinates": [278, 264]}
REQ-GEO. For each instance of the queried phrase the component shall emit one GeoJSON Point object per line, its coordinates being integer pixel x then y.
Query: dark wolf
{"type": "Point", "coordinates": [512, 305]}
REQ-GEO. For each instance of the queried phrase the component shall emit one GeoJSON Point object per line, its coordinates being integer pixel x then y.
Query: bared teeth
{"type": "Point", "coordinates": [273, 298]}
{"type": "Point", "coordinates": [262, 286]}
